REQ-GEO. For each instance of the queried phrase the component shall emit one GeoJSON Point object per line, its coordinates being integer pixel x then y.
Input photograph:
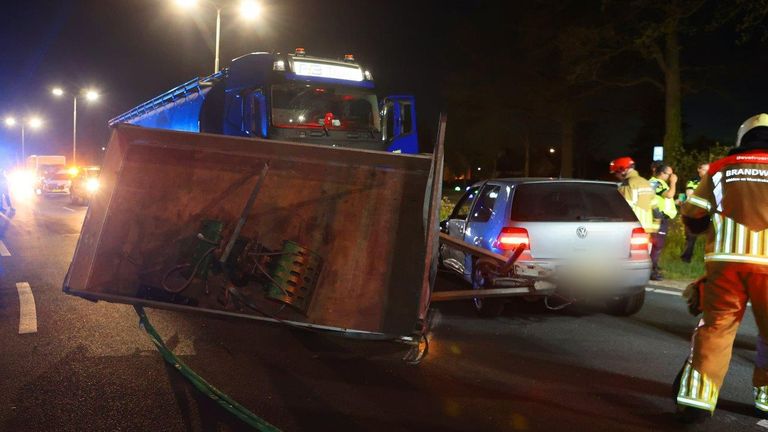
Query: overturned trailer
{"type": "Point", "coordinates": [337, 239]}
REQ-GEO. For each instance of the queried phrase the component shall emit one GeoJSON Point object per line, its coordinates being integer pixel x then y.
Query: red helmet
{"type": "Point", "coordinates": [621, 164]}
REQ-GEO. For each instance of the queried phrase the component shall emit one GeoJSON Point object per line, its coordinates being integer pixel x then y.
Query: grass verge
{"type": "Point", "coordinates": [672, 266]}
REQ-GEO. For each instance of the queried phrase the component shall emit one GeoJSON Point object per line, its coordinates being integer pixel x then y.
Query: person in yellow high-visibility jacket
{"type": "Point", "coordinates": [636, 190]}
{"type": "Point", "coordinates": [664, 183]}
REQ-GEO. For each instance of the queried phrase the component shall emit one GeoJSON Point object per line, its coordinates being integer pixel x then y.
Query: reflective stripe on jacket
{"type": "Point", "coordinates": [735, 197]}
{"type": "Point", "coordinates": [640, 196]}
{"type": "Point", "coordinates": [665, 205]}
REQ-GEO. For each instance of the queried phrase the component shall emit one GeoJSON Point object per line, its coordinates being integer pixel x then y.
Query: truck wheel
{"type": "Point", "coordinates": [627, 305]}
{"type": "Point", "coordinates": [481, 279]}
{"type": "Point", "coordinates": [418, 351]}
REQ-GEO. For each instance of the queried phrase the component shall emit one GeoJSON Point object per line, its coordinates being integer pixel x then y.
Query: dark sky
{"type": "Point", "coordinates": [132, 50]}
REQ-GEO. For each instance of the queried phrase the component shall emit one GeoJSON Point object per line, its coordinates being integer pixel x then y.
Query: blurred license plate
{"type": "Point", "coordinates": [586, 273]}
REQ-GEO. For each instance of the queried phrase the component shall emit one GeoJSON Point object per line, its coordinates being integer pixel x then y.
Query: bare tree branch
{"type": "Point", "coordinates": [630, 83]}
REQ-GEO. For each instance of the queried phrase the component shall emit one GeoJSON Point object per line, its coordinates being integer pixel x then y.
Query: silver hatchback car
{"type": "Point", "coordinates": [582, 232]}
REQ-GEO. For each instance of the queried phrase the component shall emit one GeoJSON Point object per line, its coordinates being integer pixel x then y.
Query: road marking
{"type": "Point", "coordinates": [67, 208]}
{"type": "Point", "coordinates": [27, 311]}
{"type": "Point", "coordinates": [4, 250]}
{"type": "Point", "coordinates": [763, 423]}
{"type": "Point", "coordinates": [663, 291]}
{"type": "Point", "coordinates": [675, 293]}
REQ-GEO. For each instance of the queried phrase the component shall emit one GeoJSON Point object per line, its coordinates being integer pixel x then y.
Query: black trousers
{"type": "Point", "coordinates": [657, 242]}
{"type": "Point", "coordinates": [690, 243]}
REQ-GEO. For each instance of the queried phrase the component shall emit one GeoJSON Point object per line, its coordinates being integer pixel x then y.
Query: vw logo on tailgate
{"type": "Point", "coordinates": [581, 232]}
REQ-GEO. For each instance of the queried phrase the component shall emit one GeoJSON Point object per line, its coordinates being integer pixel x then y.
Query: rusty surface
{"type": "Point", "coordinates": [432, 209]}
{"type": "Point", "coordinates": [362, 211]}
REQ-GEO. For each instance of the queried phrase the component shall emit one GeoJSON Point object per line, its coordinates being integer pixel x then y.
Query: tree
{"type": "Point", "coordinates": [646, 30]}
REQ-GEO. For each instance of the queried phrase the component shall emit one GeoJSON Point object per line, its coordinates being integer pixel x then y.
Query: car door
{"type": "Point", "coordinates": [455, 226]}
{"type": "Point", "coordinates": [480, 228]}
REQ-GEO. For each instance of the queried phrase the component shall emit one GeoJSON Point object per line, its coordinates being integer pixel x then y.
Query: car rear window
{"type": "Point", "coordinates": [570, 202]}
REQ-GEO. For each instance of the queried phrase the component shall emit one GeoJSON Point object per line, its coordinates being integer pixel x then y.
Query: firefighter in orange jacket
{"type": "Point", "coordinates": [733, 199]}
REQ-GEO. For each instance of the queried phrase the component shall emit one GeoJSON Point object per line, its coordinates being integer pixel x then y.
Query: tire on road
{"type": "Point", "coordinates": [627, 305]}
{"type": "Point", "coordinates": [440, 259]}
{"type": "Point", "coordinates": [485, 307]}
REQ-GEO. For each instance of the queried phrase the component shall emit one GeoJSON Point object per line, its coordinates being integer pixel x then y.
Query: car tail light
{"type": "Point", "coordinates": [639, 240]}
{"type": "Point", "coordinates": [510, 238]}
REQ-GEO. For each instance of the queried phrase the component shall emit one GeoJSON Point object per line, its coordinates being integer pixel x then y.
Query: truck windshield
{"type": "Point", "coordinates": [296, 105]}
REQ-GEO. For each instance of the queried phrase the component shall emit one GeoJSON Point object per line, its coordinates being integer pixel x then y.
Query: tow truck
{"type": "Point", "coordinates": [279, 190]}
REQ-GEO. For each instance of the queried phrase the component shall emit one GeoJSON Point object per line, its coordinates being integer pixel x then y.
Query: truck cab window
{"type": "Point", "coordinates": [333, 107]}
{"type": "Point", "coordinates": [405, 113]}
{"type": "Point", "coordinates": [389, 127]}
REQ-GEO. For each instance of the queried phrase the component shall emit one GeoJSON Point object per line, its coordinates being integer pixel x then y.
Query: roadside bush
{"type": "Point", "coordinates": [686, 163]}
{"type": "Point", "coordinates": [671, 265]}
{"type": "Point", "coordinates": [446, 207]}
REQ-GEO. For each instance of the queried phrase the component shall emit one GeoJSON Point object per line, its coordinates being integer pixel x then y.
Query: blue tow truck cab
{"type": "Point", "coordinates": [291, 97]}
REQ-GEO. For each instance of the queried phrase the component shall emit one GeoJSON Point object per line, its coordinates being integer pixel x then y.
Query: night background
{"type": "Point", "coordinates": [585, 330]}
{"type": "Point", "coordinates": [508, 75]}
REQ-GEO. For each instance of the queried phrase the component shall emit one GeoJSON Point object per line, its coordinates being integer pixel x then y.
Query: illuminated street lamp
{"type": "Point", "coordinates": [249, 10]}
{"type": "Point", "coordinates": [90, 95]}
{"type": "Point", "coordinates": [33, 122]}
{"type": "Point", "coordinates": [551, 150]}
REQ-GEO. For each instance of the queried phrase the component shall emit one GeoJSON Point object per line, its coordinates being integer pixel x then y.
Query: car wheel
{"type": "Point", "coordinates": [481, 279]}
{"type": "Point", "coordinates": [440, 259]}
{"type": "Point", "coordinates": [627, 305]}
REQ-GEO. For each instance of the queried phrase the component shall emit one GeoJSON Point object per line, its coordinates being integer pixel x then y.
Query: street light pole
{"type": "Point", "coordinates": [34, 122]}
{"type": "Point", "coordinates": [249, 9]}
{"type": "Point", "coordinates": [90, 96]}
{"type": "Point", "coordinates": [74, 131]}
{"type": "Point", "coordinates": [218, 38]}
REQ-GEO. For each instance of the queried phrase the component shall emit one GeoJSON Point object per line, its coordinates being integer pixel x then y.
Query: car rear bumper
{"type": "Point", "coordinates": [603, 279]}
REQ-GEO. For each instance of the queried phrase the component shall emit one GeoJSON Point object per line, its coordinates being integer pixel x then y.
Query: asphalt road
{"type": "Point", "coordinates": [72, 365]}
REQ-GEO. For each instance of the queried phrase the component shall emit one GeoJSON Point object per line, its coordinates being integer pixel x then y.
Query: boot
{"type": "Point", "coordinates": [686, 414]}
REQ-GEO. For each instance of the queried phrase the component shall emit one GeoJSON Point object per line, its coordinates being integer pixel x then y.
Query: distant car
{"type": "Point", "coordinates": [84, 185]}
{"type": "Point", "coordinates": [581, 231]}
{"type": "Point", "coordinates": [56, 183]}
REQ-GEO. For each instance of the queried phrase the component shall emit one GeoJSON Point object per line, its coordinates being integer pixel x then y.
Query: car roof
{"type": "Point", "coordinates": [513, 181]}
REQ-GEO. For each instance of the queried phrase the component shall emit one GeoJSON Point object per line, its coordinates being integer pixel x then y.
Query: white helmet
{"type": "Point", "coordinates": [749, 124]}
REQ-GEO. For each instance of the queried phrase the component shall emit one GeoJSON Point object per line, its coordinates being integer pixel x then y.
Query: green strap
{"type": "Point", "coordinates": [212, 392]}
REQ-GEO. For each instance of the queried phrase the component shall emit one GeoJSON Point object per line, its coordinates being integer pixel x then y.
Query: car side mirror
{"type": "Point", "coordinates": [444, 226]}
